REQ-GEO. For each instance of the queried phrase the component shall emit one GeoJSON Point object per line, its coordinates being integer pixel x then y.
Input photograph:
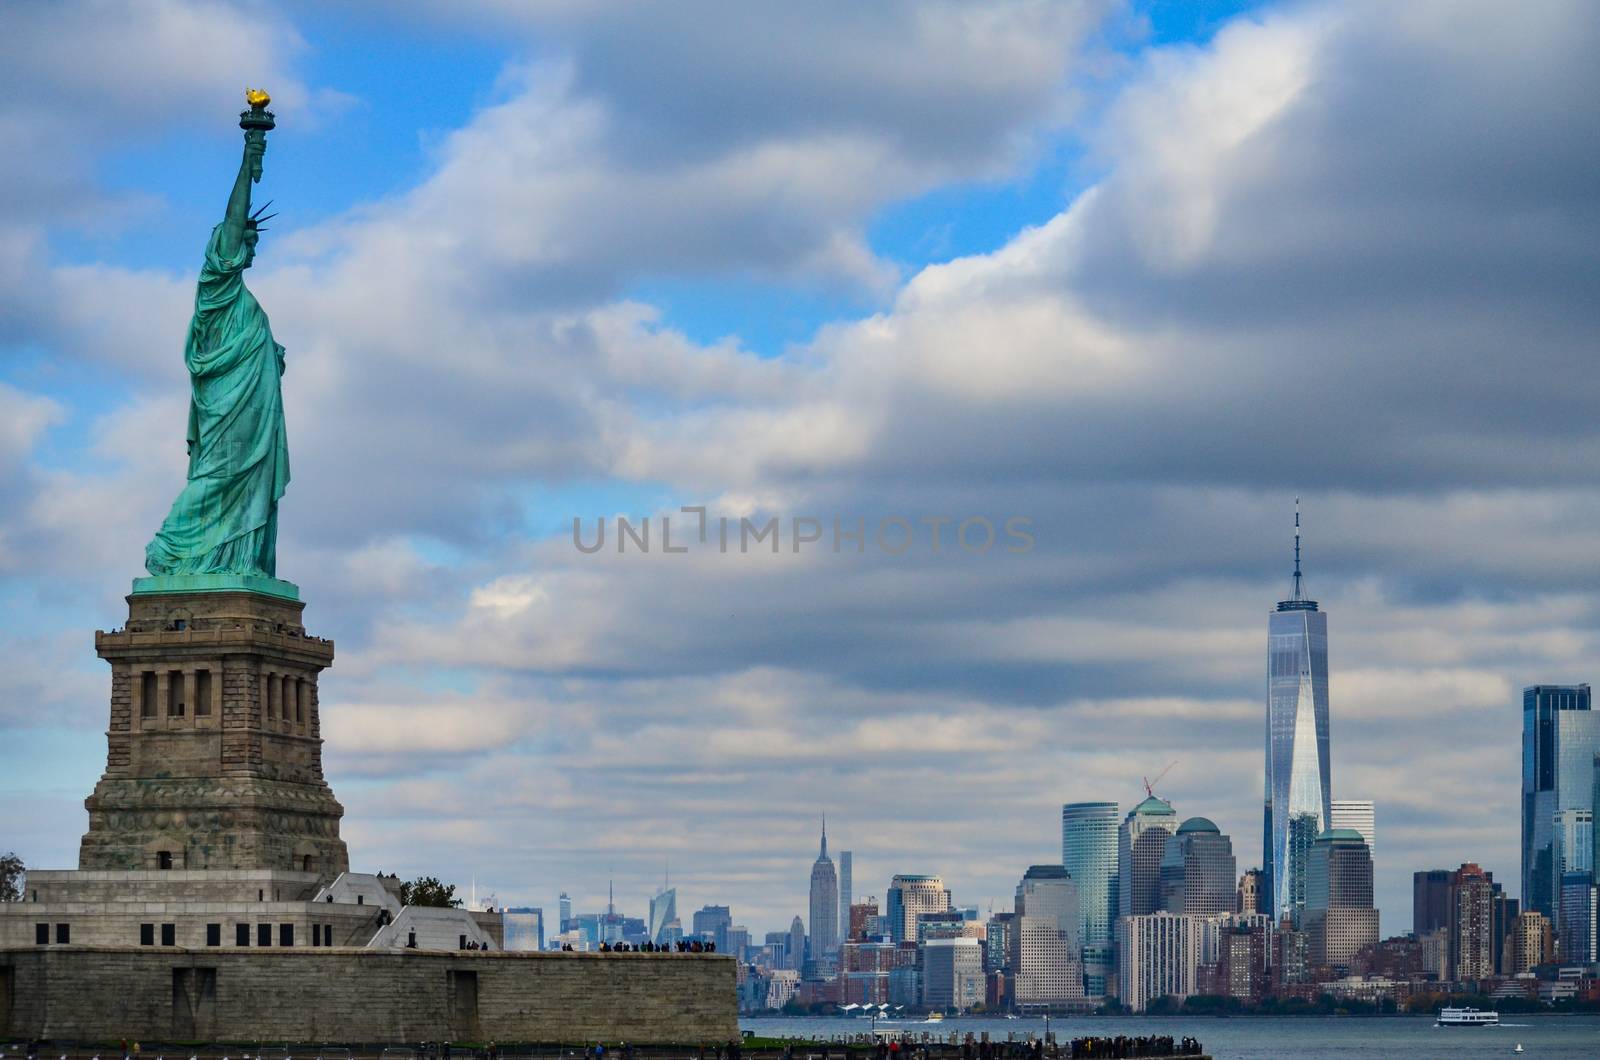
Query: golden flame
{"type": "Point", "coordinates": [257, 97]}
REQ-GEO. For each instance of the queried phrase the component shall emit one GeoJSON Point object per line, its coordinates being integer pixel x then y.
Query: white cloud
{"type": "Point", "coordinates": [1299, 272]}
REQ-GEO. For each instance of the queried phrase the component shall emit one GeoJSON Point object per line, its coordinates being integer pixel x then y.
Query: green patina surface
{"type": "Point", "coordinates": [217, 583]}
{"type": "Point", "coordinates": [225, 521]}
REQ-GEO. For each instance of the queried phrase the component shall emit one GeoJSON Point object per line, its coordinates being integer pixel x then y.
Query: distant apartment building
{"type": "Point", "coordinates": [781, 986]}
{"type": "Point", "coordinates": [1244, 962]}
{"type": "Point", "coordinates": [1471, 921]}
{"type": "Point", "coordinates": [861, 916]}
{"type": "Point", "coordinates": [1158, 955]}
{"type": "Point", "coordinates": [1531, 943]}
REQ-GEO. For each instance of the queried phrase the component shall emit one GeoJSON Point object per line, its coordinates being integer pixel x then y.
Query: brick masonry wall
{"type": "Point", "coordinates": [106, 994]}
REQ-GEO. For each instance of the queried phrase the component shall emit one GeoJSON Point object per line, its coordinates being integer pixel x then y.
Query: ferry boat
{"type": "Point", "coordinates": [1467, 1017]}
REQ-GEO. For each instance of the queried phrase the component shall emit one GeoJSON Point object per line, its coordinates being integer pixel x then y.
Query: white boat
{"type": "Point", "coordinates": [1467, 1017]}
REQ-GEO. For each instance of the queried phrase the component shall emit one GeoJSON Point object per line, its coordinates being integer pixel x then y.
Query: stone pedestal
{"type": "Point", "coordinates": [215, 745]}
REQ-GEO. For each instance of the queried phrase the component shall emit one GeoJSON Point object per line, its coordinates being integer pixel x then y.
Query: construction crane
{"type": "Point", "coordinates": [1149, 785]}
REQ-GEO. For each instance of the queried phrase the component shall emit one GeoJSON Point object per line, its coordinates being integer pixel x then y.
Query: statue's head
{"type": "Point", "coordinates": [253, 230]}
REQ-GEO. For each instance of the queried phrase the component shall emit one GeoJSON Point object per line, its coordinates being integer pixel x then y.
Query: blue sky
{"type": "Point", "coordinates": [1139, 273]}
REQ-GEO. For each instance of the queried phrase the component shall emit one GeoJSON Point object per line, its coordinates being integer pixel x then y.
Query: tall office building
{"type": "Point", "coordinates": [909, 897]}
{"type": "Point", "coordinates": [797, 944]}
{"type": "Point", "coordinates": [1572, 844]}
{"type": "Point", "coordinates": [1044, 940]}
{"type": "Point", "coordinates": [846, 872]}
{"type": "Point", "coordinates": [1577, 925]}
{"type": "Point", "coordinates": [524, 929]}
{"type": "Point", "coordinates": [711, 924]}
{"type": "Point", "coordinates": [1503, 911]}
{"type": "Point", "coordinates": [1560, 737]}
{"type": "Point", "coordinates": [1141, 844]}
{"type": "Point", "coordinates": [824, 903]}
{"type": "Point", "coordinates": [1339, 915]}
{"type": "Point", "coordinates": [1197, 870]}
{"type": "Point", "coordinates": [1298, 783]}
{"type": "Point", "coordinates": [1249, 895]}
{"type": "Point", "coordinates": [1047, 890]}
{"type": "Point", "coordinates": [1430, 901]}
{"type": "Point", "coordinates": [1089, 854]}
{"type": "Point", "coordinates": [952, 974]}
{"type": "Point", "coordinates": [1471, 921]}
{"type": "Point", "coordinates": [1358, 815]}
{"type": "Point", "coordinates": [1594, 804]}
{"type": "Point", "coordinates": [564, 909]}
{"type": "Point", "coordinates": [663, 911]}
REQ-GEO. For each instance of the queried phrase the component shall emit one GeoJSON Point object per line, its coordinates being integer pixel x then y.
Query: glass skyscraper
{"type": "Point", "coordinates": [1298, 782]}
{"type": "Point", "coordinates": [663, 912]}
{"type": "Point", "coordinates": [1560, 737]}
{"type": "Point", "coordinates": [1089, 854]}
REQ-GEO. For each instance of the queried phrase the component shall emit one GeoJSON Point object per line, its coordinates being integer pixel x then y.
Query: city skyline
{"type": "Point", "coordinates": [1140, 273]}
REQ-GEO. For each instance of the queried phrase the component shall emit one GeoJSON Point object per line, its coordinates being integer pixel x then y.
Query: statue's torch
{"type": "Point", "coordinates": [255, 122]}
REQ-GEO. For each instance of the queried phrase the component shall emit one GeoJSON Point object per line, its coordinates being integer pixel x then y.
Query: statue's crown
{"type": "Point", "coordinates": [255, 219]}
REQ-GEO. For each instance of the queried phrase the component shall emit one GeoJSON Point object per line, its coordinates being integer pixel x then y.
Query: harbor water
{"type": "Point", "coordinates": [1257, 1038]}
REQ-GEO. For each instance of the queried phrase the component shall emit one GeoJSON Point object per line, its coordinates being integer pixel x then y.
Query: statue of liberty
{"type": "Point", "coordinates": [225, 522]}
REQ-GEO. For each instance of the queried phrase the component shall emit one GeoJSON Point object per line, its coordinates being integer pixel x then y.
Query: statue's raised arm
{"type": "Point", "coordinates": [237, 222]}
{"type": "Point", "coordinates": [225, 521]}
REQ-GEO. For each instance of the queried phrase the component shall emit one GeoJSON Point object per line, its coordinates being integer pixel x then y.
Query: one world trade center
{"type": "Point", "coordinates": [1298, 789]}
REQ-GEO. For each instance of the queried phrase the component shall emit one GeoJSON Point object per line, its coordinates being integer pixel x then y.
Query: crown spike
{"type": "Point", "coordinates": [1297, 595]}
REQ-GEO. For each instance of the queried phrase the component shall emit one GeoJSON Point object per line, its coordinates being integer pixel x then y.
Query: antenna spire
{"type": "Point", "coordinates": [824, 835]}
{"type": "Point", "coordinates": [1297, 548]}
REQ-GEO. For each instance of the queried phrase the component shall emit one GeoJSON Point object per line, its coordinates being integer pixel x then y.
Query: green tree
{"type": "Point", "coordinates": [428, 891]}
{"type": "Point", "coordinates": [11, 878]}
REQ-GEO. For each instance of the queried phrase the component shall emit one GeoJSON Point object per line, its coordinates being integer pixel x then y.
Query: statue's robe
{"type": "Point", "coordinates": [226, 519]}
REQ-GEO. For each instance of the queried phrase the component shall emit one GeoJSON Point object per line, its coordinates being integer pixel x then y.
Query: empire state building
{"type": "Point", "coordinates": [1298, 785]}
{"type": "Point", "coordinates": [824, 903]}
